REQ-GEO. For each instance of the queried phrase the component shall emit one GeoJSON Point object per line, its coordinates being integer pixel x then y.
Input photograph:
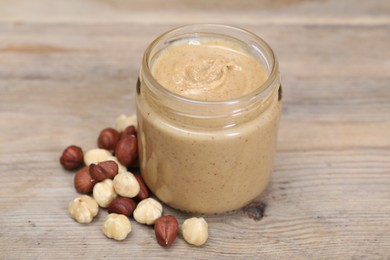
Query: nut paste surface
{"type": "Point", "coordinates": [200, 164]}
{"type": "Point", "coordinates": [208, 70]}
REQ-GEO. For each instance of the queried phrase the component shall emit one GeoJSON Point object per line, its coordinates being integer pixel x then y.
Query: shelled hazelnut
{"type": "Point", "coordinates": [104, 193]}
{"type": "Point", "coordinates": [116, 226]}
{"type": "Point", "coordinates": [195, 231]}
{"type": "Point", "coordinates": [126, 185]}
{"type": "Point", "coordinates": [147, 211]}
{"type": "Point", "coordinates": [83, 209]}
{"type": "Point", "coordinates": [123, 121]}
{"type": "Point", "coordinates": [96, 155]}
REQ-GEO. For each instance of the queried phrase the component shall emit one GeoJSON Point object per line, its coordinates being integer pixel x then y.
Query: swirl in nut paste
{"type": "Point", "coordinates": [209, 70]}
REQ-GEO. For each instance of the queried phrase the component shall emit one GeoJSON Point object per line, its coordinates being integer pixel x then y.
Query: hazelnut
{"type": "Point", "coordinates": [134, 164]}
{"type": "Point", "coordinates": [165, 229]}
{"type": "Point", "coordinates": [127, 149]}
{"type": "Point", "coordinates": [126, 185]}
{"type": "Point", "coordinates": [103, 170]}
{"type": "Point", "coordinates": [124, 206]}
{"type": "Point", "coordinates": [108, 138]}
{"type": "Point", "coordinates": [124, 121]}
{"type": "Point", "coordinates": [116, 226]}
{"type": "Point", "coordinates": [195, 231]}
{"type": "Point", "coordinates": [130, 130]}
{"type": "Point", "coordinates": [96, 156]}
{"type": "Point", "coordinates": [147, 211]}
{"type": "Point", "coordinates": [104, 193]}
{"type": "Point", "coordinates": [121, 168]}
{"type": "Point", "coordinates": [83, 209]}
{"type": "Point", "coordinates": [144, 191]}
{"type": "Point", "coordinates": [72, 157]}
{"type": "Point", "coordinates": [83, 182]}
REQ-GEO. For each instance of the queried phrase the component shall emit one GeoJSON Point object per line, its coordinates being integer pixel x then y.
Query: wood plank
{"type": "Point", "coordinates": [319, 203]}
{"type": "Point", "coordinates": [182, 12]}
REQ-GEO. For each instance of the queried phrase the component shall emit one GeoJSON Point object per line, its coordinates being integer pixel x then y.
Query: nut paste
{"type": "Point", "coordinates": [208, 70]}
{"type": "Point", "coordinates": [207, 131]}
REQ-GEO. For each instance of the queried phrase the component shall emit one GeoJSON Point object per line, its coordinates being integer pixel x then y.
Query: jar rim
{"type": "Point", "coordinates": [271, 62]}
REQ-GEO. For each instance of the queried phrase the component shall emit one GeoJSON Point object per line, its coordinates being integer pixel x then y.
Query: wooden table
{"type": "Point", "coordinates": [68, 68]}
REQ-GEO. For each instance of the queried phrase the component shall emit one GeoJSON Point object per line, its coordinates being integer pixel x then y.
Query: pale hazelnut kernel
{"type": "Point", "coordinates": [195, 231]}
{"type": "Point", "coordinates": [148, 211]}
{"type": "Point", "coordinates": [126, 185]}
{"type": "Point", "coordinates": [83, 209]}
{"type": "Point", "coordinates": [121, 167]}
{"type": "Point", "coordinates": [96, 156]}
{"type": "Point", "coordinates": [124, 121]}
{"type": "Point", "coordinates": [104, 193]}
{"type": "Point", "coordinates": [116, 226]}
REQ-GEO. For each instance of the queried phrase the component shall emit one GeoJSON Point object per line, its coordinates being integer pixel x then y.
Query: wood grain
{"type": "Point", "coordinates": [68, 68]}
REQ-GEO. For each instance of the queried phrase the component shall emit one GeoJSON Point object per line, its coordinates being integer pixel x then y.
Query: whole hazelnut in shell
{"type": "Point", "coordinates": [72, 157]}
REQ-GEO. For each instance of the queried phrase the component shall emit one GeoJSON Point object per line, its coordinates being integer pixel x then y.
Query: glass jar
{"type": "Point", "coordinates": [208, 156]}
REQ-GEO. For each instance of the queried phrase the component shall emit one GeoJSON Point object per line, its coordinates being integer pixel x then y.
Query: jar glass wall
{"type": "Point", "coordinates": [208, 156]}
